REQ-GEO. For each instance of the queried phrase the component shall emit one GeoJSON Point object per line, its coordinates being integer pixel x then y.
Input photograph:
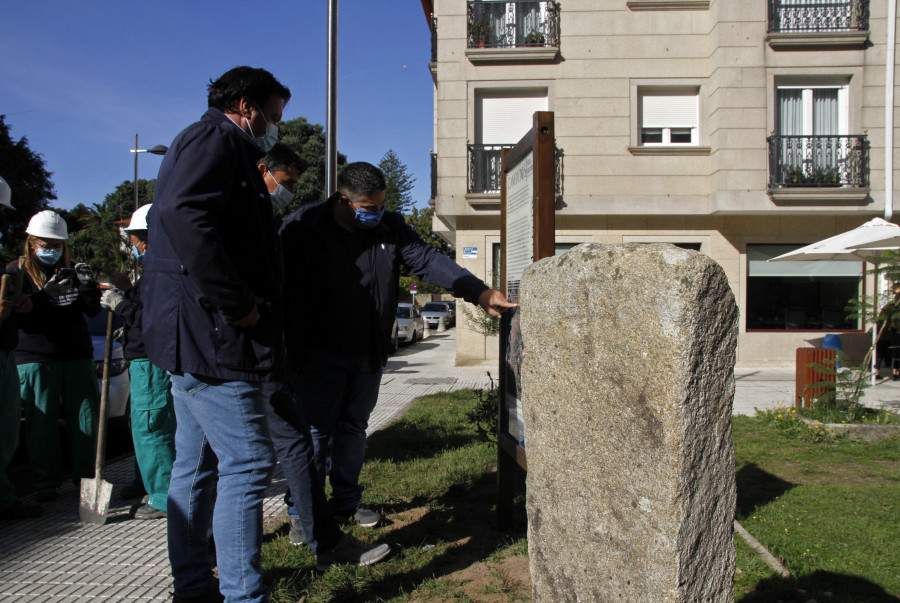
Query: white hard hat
{"type": "Point", "coordinates": [5, 194]}
{"type": "Point", "coordinates": [139, 218]}
{"type": "Point", "coordinates": [47, 224]}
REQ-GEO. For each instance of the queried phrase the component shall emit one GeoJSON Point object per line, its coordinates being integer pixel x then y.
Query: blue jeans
{"type": "Point", "coordinates": [293, 446]}
{"type": "Point", "coordinates": [221, 429]}
{"type": "Point", "coordinates": [337, 396]}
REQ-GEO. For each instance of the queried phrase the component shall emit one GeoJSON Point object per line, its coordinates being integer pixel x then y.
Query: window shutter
{"type": "Point", "coordinates": [669, 111]}
{"type": "Point", "coordinates": [505, 119]}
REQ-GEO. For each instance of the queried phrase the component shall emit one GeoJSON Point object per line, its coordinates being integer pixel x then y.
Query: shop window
{"type": "Point", "coordinates": [799, 295]}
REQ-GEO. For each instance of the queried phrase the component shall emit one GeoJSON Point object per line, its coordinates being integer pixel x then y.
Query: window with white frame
{"type": "Point", "coordinates": [807, 110]}
{"type": "Point", "coordinates": [501, 119]}
{"type": "Point", "coordinates": [669, 116]}
{"type": "Point", "coordinates": [811, 122]}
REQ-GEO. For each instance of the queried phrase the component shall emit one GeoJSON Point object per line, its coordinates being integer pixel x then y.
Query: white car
{"type": "Point", "coordinates": [119, 381]}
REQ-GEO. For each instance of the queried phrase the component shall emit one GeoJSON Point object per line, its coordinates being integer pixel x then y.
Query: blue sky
{"type": "Point", "coordinates": [79, 79]}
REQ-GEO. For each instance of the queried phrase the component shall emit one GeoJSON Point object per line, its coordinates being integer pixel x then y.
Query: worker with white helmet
{"type": "Point", "coordinates": [55, 356]}
{"type": "Point", "coordinates": [152, 412]}
{"type": "Point", "coordinates": [10, 402]}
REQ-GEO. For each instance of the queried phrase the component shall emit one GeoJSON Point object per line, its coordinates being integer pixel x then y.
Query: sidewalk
{"type": "Point", "coordinates": [57, 558]}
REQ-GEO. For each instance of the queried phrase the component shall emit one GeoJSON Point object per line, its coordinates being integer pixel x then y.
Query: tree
{"type": "Point", "coordinates": [308, 141]}
{"type": "Point", "coordinates": [421, 220]}
{"type": "Point", "coordinates": [94, 233]}
{"type": "Point", "coordinates": [32, 190]}
{"type": "Point", "coordinates": [399, 183]}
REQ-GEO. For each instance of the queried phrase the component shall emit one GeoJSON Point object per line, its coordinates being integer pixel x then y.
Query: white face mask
{"type": "Point", "coordinates": [267, 140]}
{"type": "Point", "coordinates": [281, 196]}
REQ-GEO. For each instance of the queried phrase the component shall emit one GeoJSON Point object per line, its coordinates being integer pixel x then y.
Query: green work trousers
{"type": "Point", "coordinates": [153, 428]}
{"type": "Point", "coordinates": [47, 387]}
{"type": "Point", "coordinates": [10, 413]}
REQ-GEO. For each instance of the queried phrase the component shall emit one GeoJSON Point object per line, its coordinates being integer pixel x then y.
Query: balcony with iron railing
{"type": "Point", "coordinates": [485, 172]}
{"type": "Point", "coordinates": [485, 168]}
{"type": "Point", "coordinates": [818, 23]}
{"type": "Point", "coordinates": [434, 175]}
{"type": "Point", "coordinates": [517, 30]}
{"type": "Point", "coordinates": [818, 166]}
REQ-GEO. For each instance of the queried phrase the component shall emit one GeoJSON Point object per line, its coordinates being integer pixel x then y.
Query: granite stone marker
{"type": "Point", "coordinates": [627, 388]}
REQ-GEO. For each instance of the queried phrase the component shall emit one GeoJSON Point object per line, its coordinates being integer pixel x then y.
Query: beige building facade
{"type": "Point", "coordinates": [739, 128]}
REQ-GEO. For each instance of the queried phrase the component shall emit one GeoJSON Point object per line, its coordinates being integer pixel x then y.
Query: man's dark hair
{"type": "Point", "coordinates": [360, 178]}
{"type": "Point", "coordinates": [256, 84]}
{"type": "Point", "coordinates": [281, 158]}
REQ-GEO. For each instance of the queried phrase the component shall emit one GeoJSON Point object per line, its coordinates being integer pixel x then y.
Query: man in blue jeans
{"type": "Point", "coordinates": [348, 243]}
{"type": "Point", "coordinates": [213, 319]}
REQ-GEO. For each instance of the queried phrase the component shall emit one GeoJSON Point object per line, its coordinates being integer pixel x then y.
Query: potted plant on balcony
{"type": "Point", "coordinates": [480, 33]}
{"type": "Point", "coordinates": [535, 38]}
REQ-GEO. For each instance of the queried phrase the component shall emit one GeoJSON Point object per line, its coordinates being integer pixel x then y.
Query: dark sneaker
{"type": "Point", "coordinates": [132, 491]}
{"type": "Point", "coordinates": [367, 518]}
{"type": "Point", "coordinates": [350, 550]}
{"type": "Point", "coordinates": [297, 536]}
{"type": "Point", "coordinates": [213, 596]}
{"type": "Point", "coordinates": [47, 495]}
{"type": "Point", "coordinates": [19, 510]}
{"type": "Point", "coordinates": [148, 512]}
{"type": "Point", "coordinates": [364, 516]}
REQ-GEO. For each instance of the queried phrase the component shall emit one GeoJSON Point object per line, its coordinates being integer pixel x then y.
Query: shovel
{"type": "Point", "coordinates": [96, 492]}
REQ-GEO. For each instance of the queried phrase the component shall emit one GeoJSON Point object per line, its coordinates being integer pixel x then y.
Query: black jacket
{"type": "Point", "coordinates": [341, 287]}
{"type": "Point", "coordinates": [212, 254]}
{"type": "Point", "coordinates": [131, 309]}
{"type": "Point", "coordinates": [55, 328]}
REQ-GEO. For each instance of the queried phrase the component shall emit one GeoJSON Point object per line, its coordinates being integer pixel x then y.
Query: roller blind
{"type": "Point", "coordinates": [758, 264]}
{"type": "Point", "coordinates": [505, 119]}
{"type": "Point", "coordinates": [669, 111]}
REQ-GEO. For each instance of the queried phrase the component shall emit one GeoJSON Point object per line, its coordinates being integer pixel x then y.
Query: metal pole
{"type": "Point", "coordinates": [135, 174]}
{"type": "Point", "coordinates": [331, 117]}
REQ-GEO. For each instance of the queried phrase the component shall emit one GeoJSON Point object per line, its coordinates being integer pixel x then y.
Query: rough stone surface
{"type": "Point", "coordinates": [627, 386]}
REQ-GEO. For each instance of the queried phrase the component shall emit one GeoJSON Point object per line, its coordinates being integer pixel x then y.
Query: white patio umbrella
{"type": "Point", "coordinates": [864, 241]}
{"type": "Point", "coordinates": [860, 244]}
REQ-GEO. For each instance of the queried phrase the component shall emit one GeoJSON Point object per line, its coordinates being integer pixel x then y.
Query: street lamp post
{"type": "Point", "coordinates": [157, 150]}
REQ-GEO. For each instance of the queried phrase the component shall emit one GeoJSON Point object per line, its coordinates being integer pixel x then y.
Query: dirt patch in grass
{"type": "Point", "coordinates": [499, 581]}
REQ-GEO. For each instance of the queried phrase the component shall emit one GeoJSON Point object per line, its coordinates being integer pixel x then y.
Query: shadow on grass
{"type": "Point", "coordinates": [418, 442]}
{"type": "Point", "coordinates": [840, 587]}
{"type": "Point", "coordinates": [756, 487]}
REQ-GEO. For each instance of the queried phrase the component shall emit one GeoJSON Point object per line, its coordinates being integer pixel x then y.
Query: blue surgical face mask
{"type": "Point", "coordinates": [48, 256]}
{"type": "Point", "coordinates": [281, 196]}
{"type": "Point", "coordinates": [367, 219]}
{"type": "Point", "coordinates": [137, 254]}
{"type": "Point", "coordinates": [267, 140]}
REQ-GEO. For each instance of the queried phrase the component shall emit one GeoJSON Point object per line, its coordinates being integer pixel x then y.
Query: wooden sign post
{"type": "Point", "coordinates": [527, 234]}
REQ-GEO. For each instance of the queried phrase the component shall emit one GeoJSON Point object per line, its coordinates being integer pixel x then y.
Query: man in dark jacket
{"type": "Point", "coordinates": [212, 318]}
{"type": "Point", "coordinates": [349, 245]}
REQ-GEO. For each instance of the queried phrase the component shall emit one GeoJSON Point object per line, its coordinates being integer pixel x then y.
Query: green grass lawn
{"type": "Point", "coordinates": [828, 507]}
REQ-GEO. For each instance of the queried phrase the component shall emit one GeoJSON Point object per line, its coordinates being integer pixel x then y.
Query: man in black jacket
{"type": "Point", "coordinates": [348, 244]}
{"type": "Point", "coordinates": [212, 318]}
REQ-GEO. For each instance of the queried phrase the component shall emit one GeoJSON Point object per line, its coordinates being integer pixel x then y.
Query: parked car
{"type": "Point", "coordinates": [410, 326]}
{"type": "Point", "coordinates": [394, 343]}
{"type": "Point", "coordinates": [434, 311]}
{"type": "Point", "coordinates": [119, 381]}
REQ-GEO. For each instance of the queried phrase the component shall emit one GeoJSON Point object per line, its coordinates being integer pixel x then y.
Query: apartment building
{"type": "Point", "coordinates": [739, 128]}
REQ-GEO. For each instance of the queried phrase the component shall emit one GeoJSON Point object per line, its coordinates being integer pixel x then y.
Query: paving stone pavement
{"type": "Point", "coordinates": [58, 558]}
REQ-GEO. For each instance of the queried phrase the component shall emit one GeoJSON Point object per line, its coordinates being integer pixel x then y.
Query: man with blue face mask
{"type": "Point", "coordinates": [349, 244]}
{"type": "Point", "coordinates": [312, 522]}
{"type": "Point", "coordinates": [152, 411]}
